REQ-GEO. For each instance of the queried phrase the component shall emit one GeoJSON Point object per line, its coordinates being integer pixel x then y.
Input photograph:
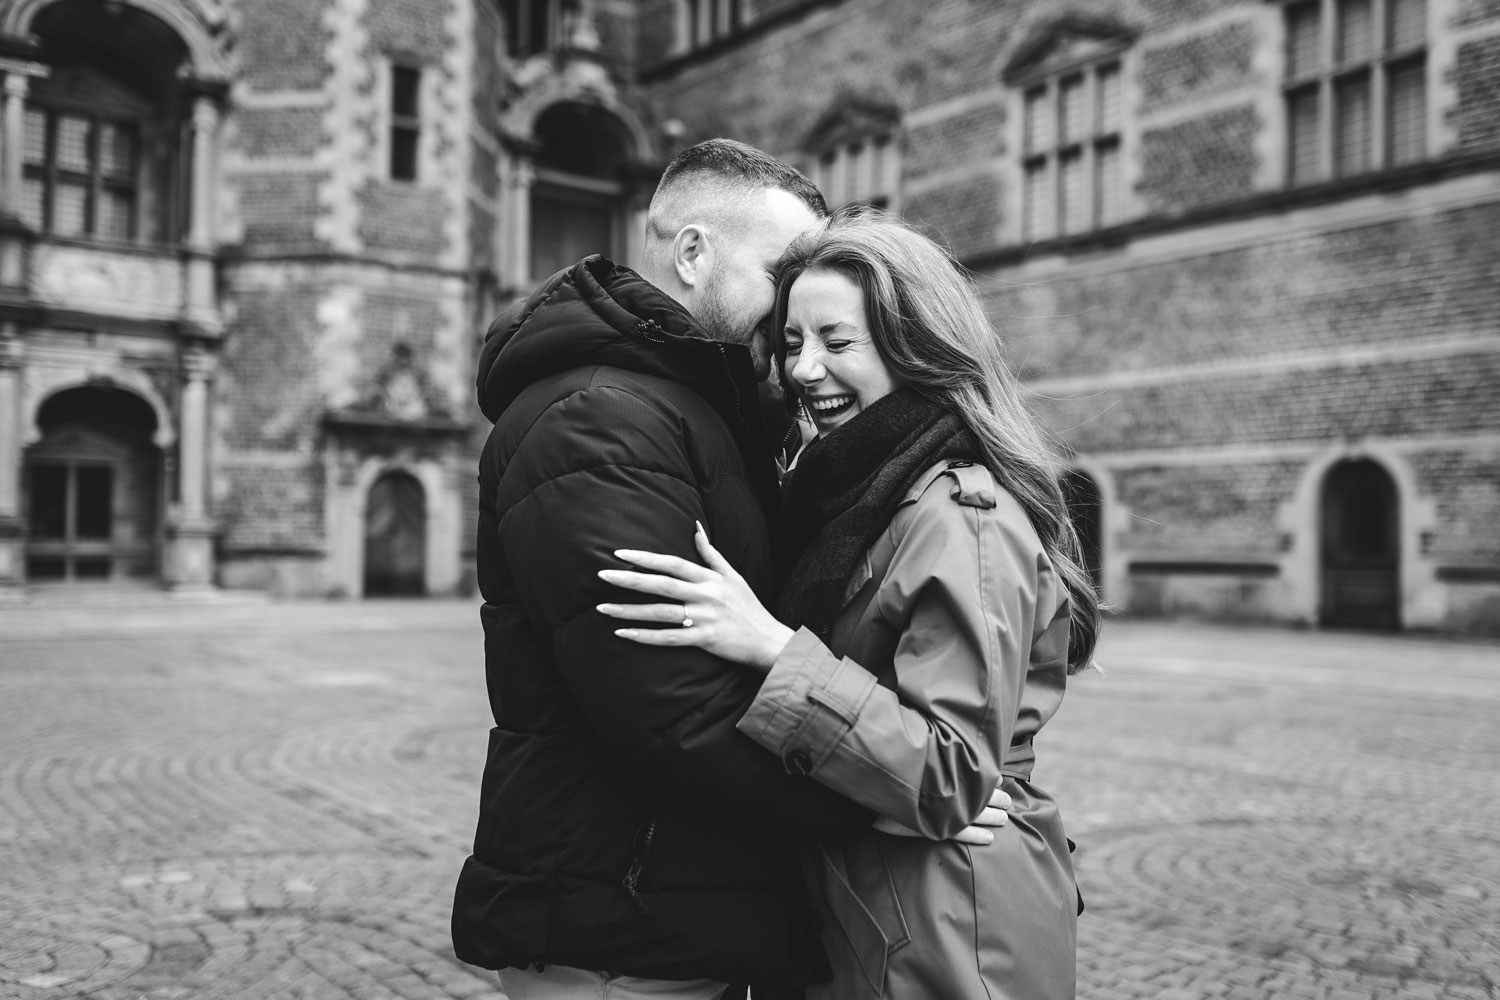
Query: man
{"type": "Point", "coordinates": [628, 836]}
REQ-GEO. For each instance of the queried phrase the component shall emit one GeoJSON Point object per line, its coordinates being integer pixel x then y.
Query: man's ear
{"type": "Point", "coordinates": [692, 254]}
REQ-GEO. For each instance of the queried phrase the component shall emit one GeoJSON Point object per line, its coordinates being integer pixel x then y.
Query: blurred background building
{"type": "Point", "coordinates": [1245, 254]}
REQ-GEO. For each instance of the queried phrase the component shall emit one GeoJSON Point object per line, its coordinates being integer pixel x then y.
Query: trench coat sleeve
{"type": "Point", "coordinates": [962, 591]}
{"type": "Point", "coordinates": [616, 475]}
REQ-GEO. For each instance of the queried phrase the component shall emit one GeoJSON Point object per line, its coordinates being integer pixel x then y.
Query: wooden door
{"type": "Point", "coordinates": [91, 507]}
{"type": "Point", "coordinates": [1361, 548]}
{"type": "Point", "coordinates": [396, 536]}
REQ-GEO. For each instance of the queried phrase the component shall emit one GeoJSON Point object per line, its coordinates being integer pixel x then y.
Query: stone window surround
{"type": "Point", "coordinates": [701, 23]}
{"type": "Point", "coordinates": [864, 169]}
{"type": "Point", "coordinates": [1380, 64]}
{"type": "Point", "coordinates": [393, 122]}
{"type": "Point", "coordinates": [1089, 144]}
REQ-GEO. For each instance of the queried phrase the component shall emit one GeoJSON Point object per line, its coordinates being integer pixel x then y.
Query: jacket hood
{"type": "Point", "coordinates": [597, 313]}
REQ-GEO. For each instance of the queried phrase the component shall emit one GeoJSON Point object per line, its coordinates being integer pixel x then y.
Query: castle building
{"type": "Point", "coordinates": [1245, 255]}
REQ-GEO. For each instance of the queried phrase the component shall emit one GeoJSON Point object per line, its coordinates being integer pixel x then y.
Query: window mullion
{"type": "Point", "coordinates": [1091, 125]}
{"type": "Point", "coordinates": [93, 150]}
{"type": "Point", "coordinates": [49, 171]}
{"type": "Point", "coordinates": [1327, 113]}
{"type": "Point", "coordinates": [70, 507]}
{"type": "Point", "coordinates": [1054, 158]}
{"type": "Point", "coordinates": [1379, 145]}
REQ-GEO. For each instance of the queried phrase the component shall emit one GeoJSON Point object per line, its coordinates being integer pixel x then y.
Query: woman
{"type": "Point", "coordinates": [933, 611]}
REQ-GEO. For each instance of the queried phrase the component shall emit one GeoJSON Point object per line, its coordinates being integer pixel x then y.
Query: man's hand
{"type": "Point", "coordinates": [977, 834]}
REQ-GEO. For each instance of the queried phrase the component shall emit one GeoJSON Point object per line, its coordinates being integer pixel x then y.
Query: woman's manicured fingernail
{"type": "Point", "coordinates": [699, 525]}
{"type": "Point", "coordinates": [625, 633]}
{"type": "Point", "coordinates": [607, 608]}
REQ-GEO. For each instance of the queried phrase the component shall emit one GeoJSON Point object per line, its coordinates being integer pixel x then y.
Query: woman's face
{"type": "Point", "coordinates": [832, 363]}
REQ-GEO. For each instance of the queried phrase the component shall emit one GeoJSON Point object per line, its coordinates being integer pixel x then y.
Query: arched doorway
{"type": "Point", "coordinates": [1086, 510]}
{"type": "Point", "coordinates": [579, 199]}
{"type": "Point", "coordinates": [1361, 572]}
{"type": "Point", "coordinates": [396, 537]}
{"type": "Point", "coordinates": [93, 489]}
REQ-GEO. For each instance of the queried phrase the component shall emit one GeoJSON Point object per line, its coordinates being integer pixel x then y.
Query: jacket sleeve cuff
{"type": "Point", "coordinates": [807, 703]}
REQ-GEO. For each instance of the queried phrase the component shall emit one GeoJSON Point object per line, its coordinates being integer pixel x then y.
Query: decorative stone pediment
{"type": "Point", "coordinates": [848, 119]}
{"type": "Point", "coordinates": [201, 25]}
{"type": "Point", "coordinates": [401, 397]}
{"type": "Point", "coordinates": [1064, 41]}
{"type": "Point", "coordinates": [88, 88]}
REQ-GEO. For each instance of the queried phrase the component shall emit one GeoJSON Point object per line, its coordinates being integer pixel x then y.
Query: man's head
{"type": "Point", "coordinates": [721, 216]}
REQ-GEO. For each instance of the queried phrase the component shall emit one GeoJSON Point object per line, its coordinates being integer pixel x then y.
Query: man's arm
{"type": "Point", "coordinates": [614, 473]}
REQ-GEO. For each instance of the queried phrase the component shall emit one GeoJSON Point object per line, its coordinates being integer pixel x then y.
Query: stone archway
{"type": "Point", "coordinates": [1360, 549]}
{"type": "Point", "coordinates": [579, 200]}
{"type": "Point", "coordinates": [395, 562]}
{"type": "Point", "coordinates": [93, 489]}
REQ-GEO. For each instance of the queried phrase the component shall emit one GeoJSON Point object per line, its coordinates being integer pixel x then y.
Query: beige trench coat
{"type": "Point", "coordinates": [948, 657]}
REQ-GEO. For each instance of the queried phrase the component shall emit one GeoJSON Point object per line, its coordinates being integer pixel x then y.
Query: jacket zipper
{"type": "Point", "coordinates": [640, 846]}
{"type": "Point", "coordinates": [739, 402]}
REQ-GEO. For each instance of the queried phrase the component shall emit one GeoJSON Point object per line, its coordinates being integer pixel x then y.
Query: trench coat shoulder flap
{"type": "Point", "coordinates": [869, 914]}
{"type": "Point", "coordinates": [969, 484]}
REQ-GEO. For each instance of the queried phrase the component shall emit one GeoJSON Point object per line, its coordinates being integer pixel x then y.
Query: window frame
{"type": "Point", "coordinates": [531, 26]}
{"type": "Point", "coordinates": [846, 178]}
{"type": "Point", "coordinates": [1088, 147]}
{"type": "Point", "coordinates": [702, 23]}
{"type": "Point", "coordinates": [95, 180]}
{"type": "Point", "coordinates": [1333, 75]}
{"type": "Point", "coordinates": [405, 123]}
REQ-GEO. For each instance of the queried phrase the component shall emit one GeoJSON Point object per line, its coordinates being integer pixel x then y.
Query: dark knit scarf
{"type": "Point", "coordinates": [845, 490]}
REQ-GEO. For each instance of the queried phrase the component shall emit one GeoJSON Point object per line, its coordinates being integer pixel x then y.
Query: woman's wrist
{"type": "Point", "coordinates": [775, 643]}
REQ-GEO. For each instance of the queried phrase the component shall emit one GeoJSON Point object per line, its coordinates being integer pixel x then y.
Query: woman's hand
{"type": "Point", "coordinates": [976, 834]}
{"type": "Point", "coordinates": [714, 608]}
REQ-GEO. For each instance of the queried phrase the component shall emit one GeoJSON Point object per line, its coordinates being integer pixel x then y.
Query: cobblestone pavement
{"type": "Point", "coordinates": [255, 800]}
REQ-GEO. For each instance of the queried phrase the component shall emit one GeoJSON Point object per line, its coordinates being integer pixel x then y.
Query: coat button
{"type": "Point", "coordinates": [798, 762]}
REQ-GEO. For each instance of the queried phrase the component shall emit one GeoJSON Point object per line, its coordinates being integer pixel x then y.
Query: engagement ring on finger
{"type": "Point", "coordinates": [686, 621]}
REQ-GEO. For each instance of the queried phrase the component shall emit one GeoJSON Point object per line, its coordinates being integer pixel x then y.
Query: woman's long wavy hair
{"type": "Point", "coordinates": [930, 328]}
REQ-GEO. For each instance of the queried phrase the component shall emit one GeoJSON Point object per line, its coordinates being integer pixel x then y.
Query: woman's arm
{"type": "Point", "coordinates": [962, 587]}
{"type": "Point", "coordinates": [962, 590]}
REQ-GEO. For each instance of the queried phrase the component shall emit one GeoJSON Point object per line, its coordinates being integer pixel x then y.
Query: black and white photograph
{"type": "Point", "coordinates": [749, 500]}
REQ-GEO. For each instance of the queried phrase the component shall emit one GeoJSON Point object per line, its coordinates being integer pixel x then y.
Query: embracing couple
{"type": "Point", "coordinates": [750, 732]}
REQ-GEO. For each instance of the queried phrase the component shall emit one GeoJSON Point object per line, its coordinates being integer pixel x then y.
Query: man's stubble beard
{"type": "Point", "coordinates": [719, 322]}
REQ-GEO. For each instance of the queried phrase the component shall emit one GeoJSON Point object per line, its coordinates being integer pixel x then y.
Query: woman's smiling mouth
{"type": "Point", "coordinates": [824, 407]}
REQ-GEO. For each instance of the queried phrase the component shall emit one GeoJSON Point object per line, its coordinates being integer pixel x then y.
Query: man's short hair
{"type": "Point", "coordinates": [715, 179]}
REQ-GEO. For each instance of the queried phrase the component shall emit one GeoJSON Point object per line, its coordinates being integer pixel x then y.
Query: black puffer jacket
{"type": "Point", "coordinates": [624, 824]}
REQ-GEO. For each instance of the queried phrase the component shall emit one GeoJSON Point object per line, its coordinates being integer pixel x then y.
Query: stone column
{"type": "Point", "coordinates": [16, 86]}
{"type": "Point", "coordinates": [518, 270]}
{"type": "Point", "coordinates": [12, 159]}
{"type": "Point", "coordinates": [191, 533]}
{"type": "Point", "coordinates": [199, 306]}
{"type": "Point", "coordinates": [12, 524]}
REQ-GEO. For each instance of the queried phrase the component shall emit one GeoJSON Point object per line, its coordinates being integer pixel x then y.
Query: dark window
{"type": "Point", "coordinates": [706, 21]}
{"type": "Point", "coordinates": [529, 26]}
{"type": "Point", "coordinates": [1072, 172]}
{"type": "Point", "coordinates": [1356, 86]}
{"type": "Point", "coordinates": [80, 174]}
{"type": "Point", "coordinates": [49, 501]}
{"type": "Point", "coordinates": [95, 502]}
{"type": "Point", "coordinates": [406, 121]}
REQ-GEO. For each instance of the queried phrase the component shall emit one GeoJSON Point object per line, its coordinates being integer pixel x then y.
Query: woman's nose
{"type": "Point", "coordinates": [806, 371]}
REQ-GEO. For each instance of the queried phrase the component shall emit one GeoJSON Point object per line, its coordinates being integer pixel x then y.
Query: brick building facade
{"type": "Point", "coordinates": [1243, 252]}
